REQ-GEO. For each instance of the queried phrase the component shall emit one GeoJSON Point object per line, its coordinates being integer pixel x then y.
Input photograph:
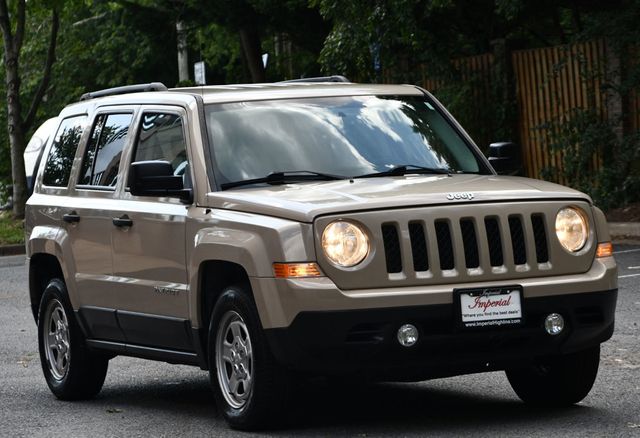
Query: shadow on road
{"type": "Point", "coordinates": [380, 408]}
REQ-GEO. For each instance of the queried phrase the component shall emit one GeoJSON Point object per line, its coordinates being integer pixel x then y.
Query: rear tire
{"type": "Point", "coordinates": [558, 381]}
{"type": "Point", "coordinates": [72, 372]}
{"type": "Point", "coordinates": [251, 389]}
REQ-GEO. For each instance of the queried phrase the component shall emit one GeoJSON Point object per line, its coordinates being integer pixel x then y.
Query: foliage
{"type": "Point", "coordinates": [11, 230]}
{"type": "Point", "coordinates": [583, 137]}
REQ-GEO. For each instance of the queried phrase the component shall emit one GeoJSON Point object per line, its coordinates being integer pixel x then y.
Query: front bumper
{"type": "Point", "coordinates": [364, 341]}
{"type": "Point", "coordinates": [314, 326]}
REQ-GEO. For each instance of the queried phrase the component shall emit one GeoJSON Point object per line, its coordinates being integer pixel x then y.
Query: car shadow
{"type": "Point", "coordinates": [328, 408]}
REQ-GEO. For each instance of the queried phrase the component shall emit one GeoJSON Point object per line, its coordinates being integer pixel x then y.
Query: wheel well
{"type": "Point", "coordinates": [42, 268]}
{"type": "Point", "coordinates": [215, 276]}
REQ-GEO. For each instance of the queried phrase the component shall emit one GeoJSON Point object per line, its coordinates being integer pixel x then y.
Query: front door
{"type": "Point", "coordinates": [148, 239]}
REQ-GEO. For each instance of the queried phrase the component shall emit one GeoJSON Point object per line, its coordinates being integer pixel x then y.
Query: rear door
{"type": "Point", "coordinates": [94, 202]}
{"type": "Point", "coordinates": [149, 246]}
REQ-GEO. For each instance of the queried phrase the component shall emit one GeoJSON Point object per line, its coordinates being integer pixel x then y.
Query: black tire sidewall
{"type": "Point", "coordinates": [568, 380]}
{"type": "Point", "coordinates": [86, 371]}
{"type": "Point", "coordinates": [253, 413]}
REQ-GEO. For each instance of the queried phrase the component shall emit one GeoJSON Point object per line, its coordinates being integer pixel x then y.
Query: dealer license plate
{"type": "Point", "coordinates": [491, 307]}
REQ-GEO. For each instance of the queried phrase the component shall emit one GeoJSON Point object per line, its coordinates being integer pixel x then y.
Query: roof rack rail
{"type": "Point", "coordinates": [334, 78]}
{"type": "Point", "coordinates": [138, 88]}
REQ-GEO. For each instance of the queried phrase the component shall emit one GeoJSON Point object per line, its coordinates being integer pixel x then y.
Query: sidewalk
{"type": "Point", "coordinates": [625, 231]}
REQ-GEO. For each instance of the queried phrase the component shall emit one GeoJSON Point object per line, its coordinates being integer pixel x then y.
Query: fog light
{"type": "Point", "coordinates": [554, 324]}
{"type": "Point", "coordinates": [407, 335]}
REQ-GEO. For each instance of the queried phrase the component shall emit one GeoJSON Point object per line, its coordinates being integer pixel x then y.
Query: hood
{"type": "Point", "coordinates": [304, 202]}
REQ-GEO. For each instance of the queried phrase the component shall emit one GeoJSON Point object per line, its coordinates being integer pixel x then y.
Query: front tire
{"type": "Point", "coordinates": [250, 387]}
{"type": "Point", "coordinates": [557, 382]}
{"type": "Point", "coordinates": [72, 372]}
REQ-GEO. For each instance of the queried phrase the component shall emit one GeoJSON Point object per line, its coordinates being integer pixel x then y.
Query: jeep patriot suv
{"type": "Point", "coordinates": [317, 228]}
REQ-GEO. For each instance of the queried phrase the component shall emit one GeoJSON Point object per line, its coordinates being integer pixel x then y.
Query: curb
{"type": "Point", "coordinates": [9, 250]}
{"type": "Point", "coordinates": [624, 230]}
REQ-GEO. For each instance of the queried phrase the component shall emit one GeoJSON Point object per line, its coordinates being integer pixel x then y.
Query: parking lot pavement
{"type": "Point", "coordinates": [143, 398]}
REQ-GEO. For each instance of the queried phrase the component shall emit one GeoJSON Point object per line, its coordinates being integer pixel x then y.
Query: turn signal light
{"type": "Point", "coordinates": [604, 249]}
{"type": "Point", "coordinates": [296, 270]}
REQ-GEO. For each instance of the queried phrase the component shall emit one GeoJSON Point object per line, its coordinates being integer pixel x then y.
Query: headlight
{"type": "Point", "coordinates": [344, 243]}
{"type": "Point", "coordinates": [572, 228]}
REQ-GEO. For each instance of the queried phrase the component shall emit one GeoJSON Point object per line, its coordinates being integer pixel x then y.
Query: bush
{"type": "Point", "coordinates": [583, 140]}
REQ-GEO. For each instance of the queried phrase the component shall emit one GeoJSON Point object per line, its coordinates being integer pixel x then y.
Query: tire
{"type": "Point", "coordinates": [557, 382]}
{"type": "Point", "coordinates": [250, 388]}
{"type": "Point", "coordinates": [70, 369]}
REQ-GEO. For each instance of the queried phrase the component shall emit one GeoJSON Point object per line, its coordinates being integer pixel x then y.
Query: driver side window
{"type": "Point", "coordinates": [161, 137]}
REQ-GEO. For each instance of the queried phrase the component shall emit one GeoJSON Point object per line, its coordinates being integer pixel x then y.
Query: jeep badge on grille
{"type": "Point", "coordinates": [463, 195]}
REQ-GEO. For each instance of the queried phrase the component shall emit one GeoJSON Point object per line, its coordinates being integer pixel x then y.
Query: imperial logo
{"type": "Point", "coordinates": [461, 195]}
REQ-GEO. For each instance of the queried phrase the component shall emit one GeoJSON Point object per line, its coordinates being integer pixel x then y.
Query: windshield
{"type": "Point", "coordinates": [348, 136]}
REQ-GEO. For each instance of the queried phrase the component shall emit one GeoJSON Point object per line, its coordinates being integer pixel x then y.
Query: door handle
{"type": "Point", "coordinates": [122, 221]}
{"type": "Point", "coordinates": [71, 218]}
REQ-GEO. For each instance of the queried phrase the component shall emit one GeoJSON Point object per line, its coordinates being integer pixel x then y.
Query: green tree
{"type": "Point", "coordinates": [13, 22]}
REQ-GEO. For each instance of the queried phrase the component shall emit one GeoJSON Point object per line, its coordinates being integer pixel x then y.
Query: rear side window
{"type": "Point", "coordinates": [60, 160]}
{"type": "Point", "coordinates": [161, 138]}
{"type": "Point", "coordinates": [102, 157]}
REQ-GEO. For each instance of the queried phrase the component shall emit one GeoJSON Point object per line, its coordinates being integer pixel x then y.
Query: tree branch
{"type": "Point", "coordinates": [5, 26]}
{"type": "Point", "coordinates": [19, 36]}
{"type": "Point", "coordinates": [46, 75]}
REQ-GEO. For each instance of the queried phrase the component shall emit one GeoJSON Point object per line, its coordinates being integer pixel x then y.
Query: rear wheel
{"type": "Point", "coordinates": [558, 381]}
{"type": "Point", "coordinates": [250, 387]}
{"type": "Point", "coordinates": [72, 372]}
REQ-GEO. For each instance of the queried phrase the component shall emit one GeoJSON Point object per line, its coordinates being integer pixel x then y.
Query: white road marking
{"type": "Point", "coordinates": [627, 250]}
{"type": "Point", "coordinates": [633, 267]}
{"type": "Point", "coordinates": [628, 275]}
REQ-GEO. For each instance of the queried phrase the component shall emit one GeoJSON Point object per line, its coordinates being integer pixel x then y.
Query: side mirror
{"type": "Point", "coordinates": [156, 178]}
{"type": "Point", "coordinates": [505, 158]}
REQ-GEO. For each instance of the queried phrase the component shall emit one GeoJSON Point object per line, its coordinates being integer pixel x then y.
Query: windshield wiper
{"type": "Point", "coordinates": [282, 177]}
{"type": "Point", "coordinates": [403, 169]}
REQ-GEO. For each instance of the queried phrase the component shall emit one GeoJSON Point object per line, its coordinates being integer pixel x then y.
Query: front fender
{"type": "Point", "coordinates": [251, 241]}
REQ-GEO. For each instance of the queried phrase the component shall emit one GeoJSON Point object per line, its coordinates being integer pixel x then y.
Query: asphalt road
{"type": "Point", "coordinates": [144, 398]}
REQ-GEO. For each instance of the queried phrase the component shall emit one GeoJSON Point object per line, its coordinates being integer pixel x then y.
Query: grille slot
{"type": "Point", "coordinates": [470, 243]}
{"type": "Point", "coordinates": [418, 247]}
{"type": "Point", "coordinates": [445, 246]}
{"type": "Point", "coordinates": [517, 240]}
{"type": "Point", "coordinates": [392, 250]}
{"type": "Point", "coordinates": [495, 241]}
{"type": "Point", "coordinates": [540, 237]}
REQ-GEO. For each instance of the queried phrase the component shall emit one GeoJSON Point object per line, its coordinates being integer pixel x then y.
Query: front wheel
{"type": "Point", "coordinates": [250, 388]}
{"type": "Point", "coordinates": [558, 381]}
{"type": "Point", "coordinates": [72, 371]}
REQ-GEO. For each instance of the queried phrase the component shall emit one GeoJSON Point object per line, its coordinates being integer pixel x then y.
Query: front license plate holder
{"type": "Point", "coordinates": [489, 307]}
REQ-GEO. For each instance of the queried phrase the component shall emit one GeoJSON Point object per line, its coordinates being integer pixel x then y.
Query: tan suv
{"type": "Point", "coordinates": [315, 228]}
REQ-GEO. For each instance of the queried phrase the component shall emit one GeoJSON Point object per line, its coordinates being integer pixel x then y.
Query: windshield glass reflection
{"type": "Point", "coordinates": [348, 136]}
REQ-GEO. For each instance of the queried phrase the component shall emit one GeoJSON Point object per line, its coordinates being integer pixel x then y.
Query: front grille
{"type": "Point", "coordinates": [468, 236]}
{"type": "Point", "coordinates": [445, 246]}
{"type": "Point", "coordinates": [517, 240]}
{"type": "Point", "coordinates": [392, 248]}
{"type": "Point", "coordinates": [470, 242]}
{"type": "Point", "coordinates": [494, 240]}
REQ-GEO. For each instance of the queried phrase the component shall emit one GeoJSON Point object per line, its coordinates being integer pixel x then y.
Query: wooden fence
{"type": "Point", "coordinates": [550, 85]}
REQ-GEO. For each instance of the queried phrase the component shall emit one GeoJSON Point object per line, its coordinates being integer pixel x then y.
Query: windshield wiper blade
{"type": "Point", "coordinates": [281, 177]}
{"type": "Point", "coordinates": [403, 169]}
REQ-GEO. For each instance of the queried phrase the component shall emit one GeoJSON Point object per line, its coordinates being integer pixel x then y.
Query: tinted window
{"type": "Point", "coordinates": [347, 136]}
{"type": "Point", "coordinates": [161, 138]}
{"type": "Point", "coordinates": [102, 157]}
{"type": "Point", "coordinates": [63, 150]}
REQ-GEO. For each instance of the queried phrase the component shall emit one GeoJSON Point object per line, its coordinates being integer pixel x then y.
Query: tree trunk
{"type": "Point", "coordinates": [183, 54]}
{"type": "Point", "coordinates": [251, 49]}
{"type": "Point", "coordinates": [16, 134]}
